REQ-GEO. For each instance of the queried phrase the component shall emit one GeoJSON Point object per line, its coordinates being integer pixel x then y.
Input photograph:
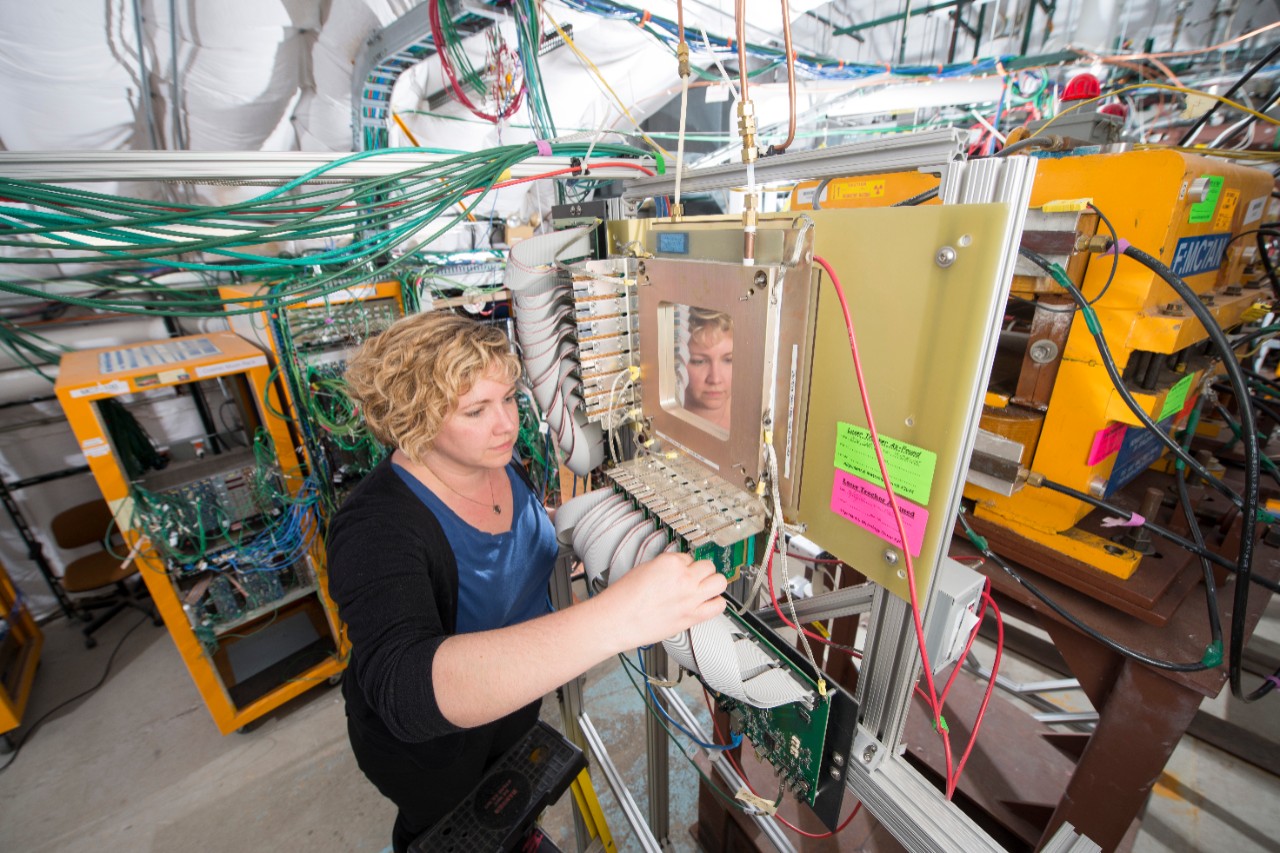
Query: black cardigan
{"type": "Point", "coordinates": [395, 581]}
{"type": "Point", "coordinates": [394, 577]}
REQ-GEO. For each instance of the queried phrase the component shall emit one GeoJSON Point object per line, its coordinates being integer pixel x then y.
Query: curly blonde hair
{"type": "Point", "coordinates": [705, 324]}
{"type": "Point", "coordinates": [408, 379]}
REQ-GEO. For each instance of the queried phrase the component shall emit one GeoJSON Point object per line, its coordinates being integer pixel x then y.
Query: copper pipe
{"type": "Point", "coordinates": [740, 13]}
{"type": "Point", "coordinates": [791, 78]}
{"type": "Point", "coordinates": [680, 18]}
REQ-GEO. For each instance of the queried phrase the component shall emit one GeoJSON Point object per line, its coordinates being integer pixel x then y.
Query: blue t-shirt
{"type": "Point", "coordinates": [502, 577]}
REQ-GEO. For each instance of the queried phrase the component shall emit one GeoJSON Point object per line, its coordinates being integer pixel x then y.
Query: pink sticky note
{"type": "Point", "coordinates": [867, 505]}
{"type": "Point", "coordinates": [1106, 441]}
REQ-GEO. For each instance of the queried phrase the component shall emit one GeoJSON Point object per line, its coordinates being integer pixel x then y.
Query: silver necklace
{"type": "Point", "coordinates": [497, 509]}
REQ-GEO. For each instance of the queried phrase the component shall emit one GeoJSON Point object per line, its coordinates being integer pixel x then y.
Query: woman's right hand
{"type": "Point", "coordinates": [663, 597]}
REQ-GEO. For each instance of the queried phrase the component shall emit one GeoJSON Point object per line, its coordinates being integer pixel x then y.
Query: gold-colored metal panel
{"type": "Point", "coordinates": [925, 334]}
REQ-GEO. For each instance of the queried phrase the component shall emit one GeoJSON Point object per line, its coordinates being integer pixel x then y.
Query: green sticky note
{"type": "Point", "coordinates": [910, 467]}
{"type": "Point", "coordinates": [1177, 397]}
{"type": "Point", "coordinates": [1202, 211]}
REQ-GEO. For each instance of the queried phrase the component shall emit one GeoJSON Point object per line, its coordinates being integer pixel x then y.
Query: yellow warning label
{"type": "Point", "coordinates": [1226, 209]}
{"type": "Point", "coordinates": [860, 189]}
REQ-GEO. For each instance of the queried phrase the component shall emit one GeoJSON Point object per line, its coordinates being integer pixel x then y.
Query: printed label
{"type": "Point", "coordinates": [1196, 255]}
{"type": "Point", "coordinates": [868, 188]}
{"type": "Point", "coordinates": [910, 467]}
{"type": "Point", "coordinates": [1177, 397]}
{"type": "Point", "coordinates": [1202, 211]}
{"type": "Point", "coordinates": [155, 355]}
{"type": "Point", "coordinates": [1106, 441]}
{"type": "Point", "coordinates": [867, 506]}
{"type": "Point", "coordinates": [1140, 449]}
{"type": "Point", "coordinates": [93, 442]}
{"type": "Point", "coordinates": [102, 450]}
{"type": "Point", "coordinates": [237, 366]}
{"type": "Point", "coordinates": [673, 242]}
{"type": "Point", "coordinates": [1226, 210]}
{"type": "Point", "coordinates": [1254, 211]}
{"type": "Point", "coordinates": [116, 386]}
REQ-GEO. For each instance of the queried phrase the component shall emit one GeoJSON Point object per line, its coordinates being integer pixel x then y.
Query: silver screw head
{"type": "Point", "coordinates": [946, 257]}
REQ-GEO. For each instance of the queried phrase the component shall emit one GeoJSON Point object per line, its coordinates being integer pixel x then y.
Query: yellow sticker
{"type": "Point", "coordinates": [861, 189]}
{"type": "Point", "coordinates": [1226, 210]}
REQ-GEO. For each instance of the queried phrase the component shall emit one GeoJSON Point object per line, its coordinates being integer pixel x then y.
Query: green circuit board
{"type": "Point", "coordinates": [791, 737]}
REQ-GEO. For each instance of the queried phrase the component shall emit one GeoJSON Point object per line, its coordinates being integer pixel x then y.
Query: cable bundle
{"type": "Point", "coordinates": [612, 536]}
{"type": "Point", "coordinates": [543, 302]}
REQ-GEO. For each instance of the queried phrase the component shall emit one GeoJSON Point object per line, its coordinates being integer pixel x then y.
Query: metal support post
{"type": "Point", "coordinates": [659, 756]}
{"type": "Point", "coordinates": [767, 826]}
{"type": "Point", "coordinates": [570, 693]}
{"type": "Point", "coordinates": [644, 836]}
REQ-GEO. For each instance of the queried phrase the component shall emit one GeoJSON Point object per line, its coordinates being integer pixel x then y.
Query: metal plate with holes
{"type": "Point", "coordinates": [923, 333]}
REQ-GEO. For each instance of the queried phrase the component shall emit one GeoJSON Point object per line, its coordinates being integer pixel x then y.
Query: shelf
{"type": "Point", "coordinates": [250, 615]}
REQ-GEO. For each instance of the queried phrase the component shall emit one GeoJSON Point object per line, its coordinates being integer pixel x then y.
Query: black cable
{"type": "Point", "coordinates": [1109, 362]}
{"type": "Point", "coordinates": [917, 199]}
{"type": "Point", "coordinates": [1250, 119]}
{"type": "Point", "coordinates": [83, 693]}
{"type": "Point", "coordinates": [1029, 142]}
{"type": "Point", "coordinates": [1270, 465]}
{"type": "Point", "coordinates": [1115, 256]}
{"type": "Point", "coordinates": [1235, 87]}
{"type": "Point", "coordinates": [1162, 532]}
{"type": "Point", "coordinates": [1249, 427]}
{"type": "Point", "coordinates": [1255, 334]}
{"type": "Point", "coordinates": [1172, 666]}
{"type": "Point", "coordinates": [1193, 524]}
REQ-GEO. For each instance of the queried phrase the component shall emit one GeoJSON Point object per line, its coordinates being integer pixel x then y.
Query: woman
{"type": "Point", "coordinates": [439, 562]}
{"type": "Point", "coordinates": [710, 366]}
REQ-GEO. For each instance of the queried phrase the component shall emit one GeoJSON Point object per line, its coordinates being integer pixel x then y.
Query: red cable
{"type": "Point", "coordinates": [437, 38]}
{"type": "Point", "coordinates": [917, 618]}
{"type": "Point", "coordinates": [773, 597]}
{"type": "Point", "coordinates": [986, 699]}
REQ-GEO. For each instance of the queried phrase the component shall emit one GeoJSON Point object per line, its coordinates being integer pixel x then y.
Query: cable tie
{"type": "Point", "coordinates": [544, 147]}
{"type": "Point", "coordinates": [1212, 654]}
{"type": "Point", "coordinates": [1133, 520]}
{"type": "Point", "coordinates": [1118, 247]}
{"type": "Point", "coordinates": [760, 804]}
{"type": "Point", "coordinates": [645, 18]}
{"type": "Point", "coordinates": [575, 163]}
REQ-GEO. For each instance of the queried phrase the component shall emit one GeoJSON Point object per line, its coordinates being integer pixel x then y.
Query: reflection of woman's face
{"type": "Point", "coordinates": [710, 377]}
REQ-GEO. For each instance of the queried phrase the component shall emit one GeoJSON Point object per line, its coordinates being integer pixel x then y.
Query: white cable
{"type": "Point", "coordinates": [716, 59]}
{"type": "Point", "coordinates": [782, 557]}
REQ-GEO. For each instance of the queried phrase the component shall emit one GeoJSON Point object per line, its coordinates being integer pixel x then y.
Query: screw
{"type": "Point", "coordinates": [1173, 309]}
{"type": "Point", "coordinates": [835, 772]}
{"type": "Point", "coordinates": [946, 256]}
{"type": "Point", "coordinates": [890, 556]}
{"type": "Point", "coordinates": [761, 278]}
{"type": "Point", "coordinates": [837, 759]}
{"type": "Point", "coordinates": [1043, 351]}
{"type": "Point", "coordinates": [868, 754]}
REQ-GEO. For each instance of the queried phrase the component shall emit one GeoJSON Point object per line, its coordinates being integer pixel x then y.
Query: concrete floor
{"type": "Point", "coordinates": [139, 766]}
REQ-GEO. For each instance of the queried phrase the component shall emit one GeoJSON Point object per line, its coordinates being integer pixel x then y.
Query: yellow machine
{"type": "Point", "coordinates": [20, 644]}
{"type": "Point", "coordinates": [253, 623]}
{"type": "Point", "coordinates": [1053, 396]}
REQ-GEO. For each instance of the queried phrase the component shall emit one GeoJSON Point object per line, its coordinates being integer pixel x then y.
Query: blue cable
{"type": "Point", "coordinates": [714, 747]}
